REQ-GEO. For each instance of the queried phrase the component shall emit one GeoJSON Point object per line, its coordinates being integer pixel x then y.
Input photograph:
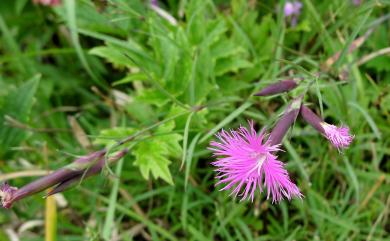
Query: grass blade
{"type": "Point", "coordinates": [368, 118]}
{"type": "Point", "coordinates": [185, 139]}
{"type": "Point", "coordinates": [109, 221]}
{"type": "Point", "coordinates": [70, 7]}
{"type": "Point", "coordinates": [226, 121]}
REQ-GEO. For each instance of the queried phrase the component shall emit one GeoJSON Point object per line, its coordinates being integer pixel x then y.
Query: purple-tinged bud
{"type": "Point", "coordinates": [338, 136]}
{"type": "Point", "coordinates": [12, 195]}
{"type": "Point", "coordinates": [68, 183]}
{"type": "Point", "coordinates": [96, 168]}
{"type": "Point", "coordinates": [288, 119]}
{"type": "Point", "coordinates": [310, 117]}
{"type": "Point", "coordinates": [277, 88]}
{"type": "Point", "coordinates": [6, 194]}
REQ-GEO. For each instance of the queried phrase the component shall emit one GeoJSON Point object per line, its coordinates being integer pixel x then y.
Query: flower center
{"type": "Point", "coordinates": [260, 158]}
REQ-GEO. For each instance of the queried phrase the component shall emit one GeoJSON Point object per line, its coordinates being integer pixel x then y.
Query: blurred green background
{"type": "Point", "coordinates": [80, 75]}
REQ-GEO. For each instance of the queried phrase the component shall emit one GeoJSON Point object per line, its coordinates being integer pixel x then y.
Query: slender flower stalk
{"type": "Point", "coordinates": [60, 179]}
{"type": "Point", "coordinates": [246, 162]}
{"type": "Point", "coordinates": [338, 136]}
{"type": "Point", "coordinates": [277, 88]}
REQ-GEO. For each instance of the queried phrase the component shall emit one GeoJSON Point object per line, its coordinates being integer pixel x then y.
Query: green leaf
{"type": "Point", "coordinates": [152, 155]}
{"type": "Point", "coordinates": [231, 65]}
{"type": "Point", "coordinates": [17, 105]}
{"type": "Point", "coordinates": [112, 55]}
{"type": "Point", "coordinates": [130, 78]}
{"type": "Point", "coordinates": [109, 137]}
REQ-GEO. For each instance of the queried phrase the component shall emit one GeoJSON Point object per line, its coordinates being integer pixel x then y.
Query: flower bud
{"type": "Point", "coordinates": [277, 88]}
{"type": "Point", "coordinates": [288, 118]}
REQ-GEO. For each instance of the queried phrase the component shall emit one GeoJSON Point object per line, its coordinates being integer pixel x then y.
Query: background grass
{"type": "Point", "coordinates": [78, 76]}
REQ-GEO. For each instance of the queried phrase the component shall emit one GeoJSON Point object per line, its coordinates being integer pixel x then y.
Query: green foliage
{"type": "Point", "coordinates": [123, 71]}
{"type": "Point", "coordinates": [16, 105]}
{"type": "Point", "coordinates": [151, 155]}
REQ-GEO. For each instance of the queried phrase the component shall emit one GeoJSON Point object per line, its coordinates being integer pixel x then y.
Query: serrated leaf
{"type": "Point", "coordinates": [112, 55]}
{"type": "Point", "coordinates": [152, 155]}
{"type": "Point", "coordinates": [109, 137]}
{"type": "Point", "coordinates": [130, 78]}
{"type": "Point", "coordinates": [152, 96]}
{"type": "Point", "coordinates": [225, 48]}
{"type": "Point", "coordinates": [231, 65]}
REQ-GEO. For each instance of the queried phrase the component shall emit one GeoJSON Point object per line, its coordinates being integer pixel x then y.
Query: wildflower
{"type": "Point", "coordinates": [276, 88]}
{"type": "Point", "coordinates": [246, 161]}
{"type": "Point", "coordinates": [338, 136]}
{"type": "Point", "coordinates": [292, 10]}
{"type": "Point", "coordinates": [48, 2]}
{"type": "Point", "coordinates": [357, 2]}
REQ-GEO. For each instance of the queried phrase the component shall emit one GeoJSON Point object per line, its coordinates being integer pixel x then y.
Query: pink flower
{"type": "Point", "coordinates": [338, 136]}
{"type": "Point", "coordinates": [292, 10]}
{"type": "Point", "coordinates": [245, 162]}
{"type": "Point", "coordinates": [48, 2]}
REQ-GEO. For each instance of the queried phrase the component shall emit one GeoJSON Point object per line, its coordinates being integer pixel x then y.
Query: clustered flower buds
{"type": "Point", "coordinates": [247, 161]}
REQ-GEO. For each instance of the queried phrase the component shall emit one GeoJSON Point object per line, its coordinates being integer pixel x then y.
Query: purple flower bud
{"type": "Point", "coordinates": [6, 194]}
{"type": "Point", "coordinates": [288, 118]}
{"type": "Point", "coordinates": [96, 168]}
{"type": "Point", "coordinates": [310, 117]}
{"type": "Point", "coordinates": [68, 183]}
{"type": "Point", "coordinates": [10, 194]}
{"type": "Point", "coordinates": [276, 88]}
{"type": "Point", "coordinates": [357, 2]}
{"type": "Point", "coordinates": [338, 136]}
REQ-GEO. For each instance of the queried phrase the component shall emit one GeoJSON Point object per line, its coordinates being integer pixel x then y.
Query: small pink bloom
{"type": "Point", "coordinates": [292, 10]}
{"type": "Point", "coordinates": [338, 136]}
{"type": "Point", "coordinates": [48, 2]}
{"type": "Point", "coordinates": [245, 162]}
